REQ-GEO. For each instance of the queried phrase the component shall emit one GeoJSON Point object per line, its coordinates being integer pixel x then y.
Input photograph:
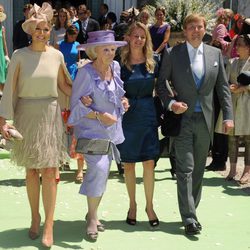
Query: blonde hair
{"type": "Point", "coordinates": [147, 49]}
{"type": "Point", "coordinates": [194, 17]}
{"type": "Point", "coordinates": [224, 16]}
{"type": "Point", "coordinates": [91, 53]}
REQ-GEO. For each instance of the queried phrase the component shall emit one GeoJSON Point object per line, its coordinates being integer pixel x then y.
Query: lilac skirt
{"type": "Point", "coordinates": [95, 179]}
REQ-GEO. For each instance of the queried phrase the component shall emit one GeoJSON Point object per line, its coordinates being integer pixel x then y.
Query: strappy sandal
{"type": "Point", "coordinates": [79, 179]}
{"type": "Point", "coordinates": [100, 227]}
{"type": "Point", "coordinates": [92, 235]}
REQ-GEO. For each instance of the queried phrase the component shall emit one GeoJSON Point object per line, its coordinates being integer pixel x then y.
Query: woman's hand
{"type": "Point", "coordinates": [86, 100]}
{"type": "Point", "coordinates": [107, 119]}
{"type": "Point", "coordinates": [236, 89]}
{"type": "Point", "coordinates": [125, 103]}
{"type": "Point", "coordinates": [4, 129]}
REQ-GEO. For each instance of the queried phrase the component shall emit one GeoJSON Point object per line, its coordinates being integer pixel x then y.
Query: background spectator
{"type": "Point", "coordinates": [59, 29]}
{"type": "Point", "coordinates": [4, 56]}
{"type": "Point", "coordinates": [160, 31]}
{"type": "Point", "coordinates": [104, 9]}
{"type": "Point", "coordinates": [20, 38]}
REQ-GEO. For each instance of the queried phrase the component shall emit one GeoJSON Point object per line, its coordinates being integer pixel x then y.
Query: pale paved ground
{"type": "Point", "coordinates": [223, 212]}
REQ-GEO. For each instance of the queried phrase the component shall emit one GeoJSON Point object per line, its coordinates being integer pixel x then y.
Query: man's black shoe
{"type": "Point", "coordinates": [198, 225]}
{"type": "Point", "coordinates": [191, 229]}
{"type": "Point", "coordinates": [216, 167]}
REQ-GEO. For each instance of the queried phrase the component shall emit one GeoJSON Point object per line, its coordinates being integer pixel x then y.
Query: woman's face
{"type": "Point", "coordinates": [62, 17]}
{"type": "Point", "coordinates": [41, 33]}
{"type": "Point", "coordinates": [144, 18]}
{"type": "Point", "coordinates": [159, 15]}
{"type": "Point", "coordinates": [106, 53]}
{"type": "Point", "coordinates": [137, 39]}
{"type": "Point", "coordinates": [242, 48]}
{"type": "Point", "coordinates": [72, 12]}
{"type": "Point", "coordinates": [239, 23]}
{"type": "Point", "coordinates": [71, 37]}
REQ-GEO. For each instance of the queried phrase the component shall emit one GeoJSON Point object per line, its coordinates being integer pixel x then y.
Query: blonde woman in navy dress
{"type": "Point", "coordinates": [139, 124]}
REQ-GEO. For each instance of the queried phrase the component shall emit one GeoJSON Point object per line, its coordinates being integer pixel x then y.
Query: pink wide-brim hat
{"type": "Point", "coordinates": [37, 15]}
{"type": "Point", "coordinates": [100, 38]}
{"type": "Point", "coordinates": [2, 16]}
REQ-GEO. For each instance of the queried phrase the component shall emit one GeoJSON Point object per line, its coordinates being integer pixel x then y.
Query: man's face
{"type": "Point", "coordinates": [82, 14]}
{"type": "Point", "coordinates": [102, 10]}
{"type": "Point", "coordinates": [194, 33]}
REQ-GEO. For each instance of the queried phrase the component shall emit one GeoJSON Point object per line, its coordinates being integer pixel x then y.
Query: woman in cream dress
{"type": "Point", "coordinates": [241, 107]}
{"type": "Point", "coordinates": [30, 99]}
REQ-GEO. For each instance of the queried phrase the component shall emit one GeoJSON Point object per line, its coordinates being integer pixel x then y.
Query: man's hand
{"type": "Point", "coordinates": [179, 107]}
{"type": "Point", "coordinates": [228, 126]}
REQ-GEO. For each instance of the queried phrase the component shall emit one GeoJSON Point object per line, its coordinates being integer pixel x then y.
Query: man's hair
{"type": "Point", "coordinates": [194, 17]}
{"type": "Point", "coordinates": [27, 6]}
{"type": "Point", "coordinates": [105, 6]}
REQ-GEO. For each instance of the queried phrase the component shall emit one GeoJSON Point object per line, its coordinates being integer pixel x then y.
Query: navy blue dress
{"type": "Point", "coordinates": [139, 123]}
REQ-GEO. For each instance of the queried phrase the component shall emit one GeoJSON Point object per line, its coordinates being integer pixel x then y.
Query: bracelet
{"type": "Point", "coordinates": [97, 115]}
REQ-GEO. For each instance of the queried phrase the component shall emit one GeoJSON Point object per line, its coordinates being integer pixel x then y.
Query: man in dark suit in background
{"type": "Point", "coordinates": [194, 70]}
{"type": "Point", "coordinates": [86, 24]}
{"type": "Point", "coordinates": [104, 9]}
{"type": "Point", "coordinates": [20, 38]}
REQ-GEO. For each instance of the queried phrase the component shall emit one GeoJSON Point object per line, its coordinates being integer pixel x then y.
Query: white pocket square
{"type": "Point", "coordinates": [215, 64]}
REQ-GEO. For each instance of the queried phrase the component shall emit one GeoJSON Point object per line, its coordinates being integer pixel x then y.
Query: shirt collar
{"type": "Point", "coordinates": [190, 48]}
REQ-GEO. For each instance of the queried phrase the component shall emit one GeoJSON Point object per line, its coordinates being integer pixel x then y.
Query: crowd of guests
{"type": "Point", "coordinates": [64, 65]}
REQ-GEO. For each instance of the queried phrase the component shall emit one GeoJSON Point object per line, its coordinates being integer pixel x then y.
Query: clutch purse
{"type": "Point", "coordinates": [244, 78]}
{"type": "Point", "coordinates": [15, 134]}
{"type": "Point", "coordinates": [93, 146]}
{"type": "Point", "coordinates": [171, 123]}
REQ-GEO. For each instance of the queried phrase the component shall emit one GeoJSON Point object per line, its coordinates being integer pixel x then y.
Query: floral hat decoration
{"type": "Point", "coordinates": [37, 15]}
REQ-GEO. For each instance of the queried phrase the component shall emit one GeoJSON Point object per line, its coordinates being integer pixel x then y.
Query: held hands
{"type": "Point", "coordinates": [228, 126]}
{"type": "Point", "coordinates": [107, 119]}
{"type": "Point", "coordinates": [179, 107]}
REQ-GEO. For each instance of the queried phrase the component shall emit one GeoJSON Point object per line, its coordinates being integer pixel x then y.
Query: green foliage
{"type": "Point", "coordinates": [177, 10]}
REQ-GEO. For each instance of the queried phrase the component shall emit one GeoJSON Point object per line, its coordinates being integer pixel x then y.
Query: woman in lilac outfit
{"type": "Point", "coordinates": [99, 80]}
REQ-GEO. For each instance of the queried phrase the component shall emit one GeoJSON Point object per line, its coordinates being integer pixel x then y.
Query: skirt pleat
{"type": "Point", "coordinates": [40, 123]}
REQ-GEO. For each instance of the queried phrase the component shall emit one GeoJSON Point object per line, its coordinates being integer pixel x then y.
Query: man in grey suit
{"type": "Point", "coordinates": [194, 70]}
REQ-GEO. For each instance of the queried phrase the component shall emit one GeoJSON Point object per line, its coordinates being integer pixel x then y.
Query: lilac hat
{"type": "Point", "coordinates": [100, 38]}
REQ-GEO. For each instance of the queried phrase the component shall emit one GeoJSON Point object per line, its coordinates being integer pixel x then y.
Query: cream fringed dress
{"type": "Point", "coordinates": [31, 101]}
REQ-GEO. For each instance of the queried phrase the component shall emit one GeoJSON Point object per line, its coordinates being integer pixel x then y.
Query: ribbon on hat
{"type": "Point", "coordinates": [45, 12]}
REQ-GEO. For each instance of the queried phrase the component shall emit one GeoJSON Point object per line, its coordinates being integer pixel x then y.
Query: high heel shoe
{"type": "Point", "coordinates": [32, 234]}
{"type": "Point", "coordinates": [130, 221]}
{"type": "Point", "coordinates": [153, 223]}
{"type": "Point", "coordinates": [173, 173]}
{"type": "Point", "coordinates": [47, 240]}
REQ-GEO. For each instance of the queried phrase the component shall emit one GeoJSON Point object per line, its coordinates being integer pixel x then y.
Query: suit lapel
{"type": "Point", "coordinates": [187, 65]}
{"type": "Point", "coordinates": [208, 63]}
